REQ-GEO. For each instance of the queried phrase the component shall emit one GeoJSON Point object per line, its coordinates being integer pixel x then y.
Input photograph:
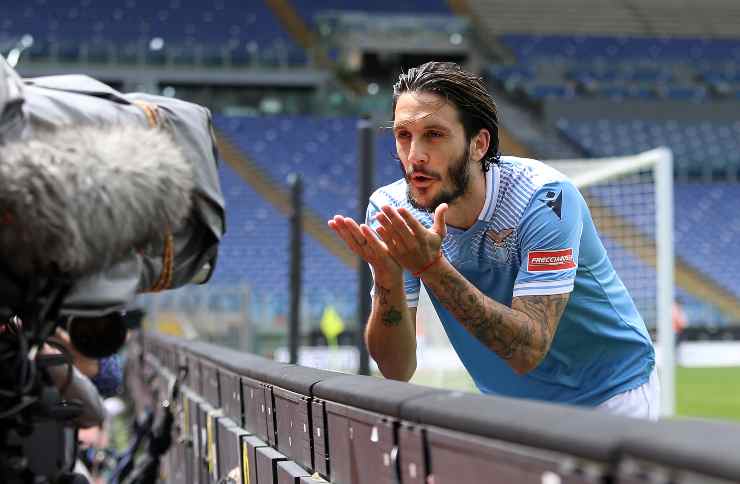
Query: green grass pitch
{"type": "Point", "coordinates": [708, 392]}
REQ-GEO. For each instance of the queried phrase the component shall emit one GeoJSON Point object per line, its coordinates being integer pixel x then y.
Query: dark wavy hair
{"type": "Point", "coordinates": [475, 106]}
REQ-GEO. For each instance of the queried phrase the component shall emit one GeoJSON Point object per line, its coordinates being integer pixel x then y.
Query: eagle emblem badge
{"type": "Point", "coordinates": [500, 243]}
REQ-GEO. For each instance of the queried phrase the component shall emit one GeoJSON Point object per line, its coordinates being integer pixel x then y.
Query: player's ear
{"type": "Point", "coordinates": [479, 144]}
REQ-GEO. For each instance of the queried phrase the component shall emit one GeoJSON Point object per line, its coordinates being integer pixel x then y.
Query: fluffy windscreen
{"type": "Point", "coordinates": [75, 200]}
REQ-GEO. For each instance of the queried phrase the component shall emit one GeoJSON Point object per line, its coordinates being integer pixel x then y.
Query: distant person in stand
{"type": "Point", "coordinates": [679, 320]}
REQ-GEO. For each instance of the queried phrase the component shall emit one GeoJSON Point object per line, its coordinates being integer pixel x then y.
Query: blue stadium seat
{"type": "Point", "coordinates": [183, 25]}
{"type": "Point", "coordinates": [700, 148]}
{"type": "Point", "coordinates": [707, 230]}
{"type": "Point", "coordinates": [322, 150]}
{"type": "Point", "coordinates": [255, 252]}
{"type": "Point", "coordinates": [537, 91]}
{"type": "Point", "coordinates": [585, 47]}
{"type": "Point", "coordinates": [624, 67]}
{"type": "Point", "coordinates": [308, 9]}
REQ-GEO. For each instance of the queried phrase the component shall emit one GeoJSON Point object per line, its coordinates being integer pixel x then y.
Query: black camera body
{"type": "Point", "coordinates": [38, 437]}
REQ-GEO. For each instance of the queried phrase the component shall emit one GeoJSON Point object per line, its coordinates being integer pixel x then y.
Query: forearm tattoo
{"type": "Point", "coordinates": [523, 332]}
{"type": "Point", "coordinates": [390, 316]}
{"type": "Point", "coordinates": [544, 314]}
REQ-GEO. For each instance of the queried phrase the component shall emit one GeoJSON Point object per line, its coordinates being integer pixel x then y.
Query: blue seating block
{"type": "Point", "coordinates": [214, 26]}
{"type": "Point", "coordinates": [322, 150]}
{"type": "Point", "coordinates": [256, 251]}
{"type": "Point", "coordinates": [308, 9]}
{"type": "Point", "coordinates": [699, 148]}
{"type": "Point", "coordinates": [684, 69]}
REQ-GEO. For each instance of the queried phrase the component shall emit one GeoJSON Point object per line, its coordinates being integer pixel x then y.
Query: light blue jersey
{"type": "Point", "coordinates": [535, 236]}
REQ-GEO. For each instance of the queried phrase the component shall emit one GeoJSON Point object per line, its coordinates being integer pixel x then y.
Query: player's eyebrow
{"type": "Point", "coordinates": [435, 126]}
{"type": "Point", "coordinates": [398, 124]}
{"type": "Point", "coordinates": [438, 127]}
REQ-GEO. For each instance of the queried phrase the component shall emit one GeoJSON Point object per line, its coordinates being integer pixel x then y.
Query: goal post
{"type": "Point", "coordinates": [631, 202]}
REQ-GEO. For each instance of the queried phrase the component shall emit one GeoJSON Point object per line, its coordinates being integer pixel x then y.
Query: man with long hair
{"type": "Point", "coordinates": [509, 254]}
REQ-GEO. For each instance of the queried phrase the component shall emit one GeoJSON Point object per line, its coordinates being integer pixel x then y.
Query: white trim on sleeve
{"type": "Point", "coordinates": [527, 285]}
{"type": "Point", "coordinates": [544, 288]}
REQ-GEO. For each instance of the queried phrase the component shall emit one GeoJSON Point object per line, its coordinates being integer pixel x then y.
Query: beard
{"type": "Point", "coordinates": [458, 174]}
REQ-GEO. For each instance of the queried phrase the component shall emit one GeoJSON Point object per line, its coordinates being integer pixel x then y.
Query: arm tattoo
{"type": "Point", "coordinates": [544, 312]}
{"type": "Point", "coordinates": [523, 332]}
{"type": "Point", "coordinates": [382, 294]}
{"type": "Point", "coordinates": [391, 316]}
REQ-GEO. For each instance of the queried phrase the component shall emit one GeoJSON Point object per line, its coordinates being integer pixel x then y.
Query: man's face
{"type": "Point", "coordinates": [432, 148]}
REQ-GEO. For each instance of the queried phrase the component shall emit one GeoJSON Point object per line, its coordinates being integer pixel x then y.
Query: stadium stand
{"type": "Point", "coordinates": [322, 150]}
{"type": "Point", "coordinates": [308, 9]}
{"type": "Point", "coordinates": [617, 67]}
{"type": "Point", "coordinates": [135, 31]}
{"type": "Point", "coordinates": [254, 252]}
{"type": "Point", "coordinates": [708, 229]}
{"type": "Point", "coordinates": [702, 148]}
{"type": "Point", "coordinates": [591, 47]}
{"type": "Point", "coordinates": [607, 17]}
{"type": "Point", "coordinates": [544, 141]}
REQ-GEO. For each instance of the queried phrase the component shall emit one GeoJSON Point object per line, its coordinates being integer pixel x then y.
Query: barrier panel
{"type": "Point", "coordinates": [683, 452]}
{"type": "Point", "coordinates": [250, 445]}
{"type": "Point", "coordinates": [290, 473]}
{"type": "Point", "coordinates": [361, 419]}
{"type": "Point", "coordinates": [291, 391]}
{"type": "Point", "coordinates": [516, 440]}
{"type": "Point", "coordinates": [245, 419]}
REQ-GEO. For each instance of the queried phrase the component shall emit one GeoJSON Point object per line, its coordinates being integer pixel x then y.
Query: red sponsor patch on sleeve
{"type": "Point", "coordinates": [550, 260]}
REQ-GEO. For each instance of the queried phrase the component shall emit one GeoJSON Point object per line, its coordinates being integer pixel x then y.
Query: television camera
{"type": "Point", "coordinates": [103, 195]}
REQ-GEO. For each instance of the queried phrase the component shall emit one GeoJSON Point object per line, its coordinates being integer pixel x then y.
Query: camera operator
{"type": "Point", "coordinates": [104, 372]}
{"type": "Point", "coordinates": [80, 387]}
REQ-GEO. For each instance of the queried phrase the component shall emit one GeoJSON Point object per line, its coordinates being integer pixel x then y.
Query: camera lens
{"type": "Point", "coordinates": [98, 337]}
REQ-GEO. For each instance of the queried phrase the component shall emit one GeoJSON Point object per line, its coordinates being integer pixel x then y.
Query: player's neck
{"type": "Point", "coordinates": [463, 212]}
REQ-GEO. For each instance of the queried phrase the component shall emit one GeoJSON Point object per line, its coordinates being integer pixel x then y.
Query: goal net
{"type": "Point", "coordinates": [631, 202]}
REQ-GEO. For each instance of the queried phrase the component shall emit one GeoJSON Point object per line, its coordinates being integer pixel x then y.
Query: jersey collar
{"type": "Point", "coordinates": [493, 177]}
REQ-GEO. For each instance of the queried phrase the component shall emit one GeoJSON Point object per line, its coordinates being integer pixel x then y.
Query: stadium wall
{"type": "Point", "coordinates": [243, 418]}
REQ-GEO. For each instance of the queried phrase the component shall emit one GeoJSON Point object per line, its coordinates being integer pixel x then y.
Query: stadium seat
{"type": "Point", "coordinates": [629, 67]}
{"type": "Point", "coordinates": [66, 29]}
{"type": "Point", "coordinates": [322, 150]}
{"type": "Point", "coordinates": [308, 9]}
{"type": "Point", "coordinates": [255, 252]}
{"type": "Point", "coordinates": [701, 148]}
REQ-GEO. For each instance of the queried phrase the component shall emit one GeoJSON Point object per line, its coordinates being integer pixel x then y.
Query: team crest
{"type": "Point", "coordinates": [501, 243]}
{"type": "Point", "coordinates": [499, 237]}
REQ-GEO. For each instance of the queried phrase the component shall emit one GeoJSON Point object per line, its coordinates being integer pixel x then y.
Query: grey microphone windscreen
{"type": "Point", "coordinates": [77, 199]}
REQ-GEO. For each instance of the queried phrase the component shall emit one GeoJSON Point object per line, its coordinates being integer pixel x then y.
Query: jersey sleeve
{"type": "Point", "coordinates": [549, 241]}
{"type": "Point", "coordinates": [411, 284]}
